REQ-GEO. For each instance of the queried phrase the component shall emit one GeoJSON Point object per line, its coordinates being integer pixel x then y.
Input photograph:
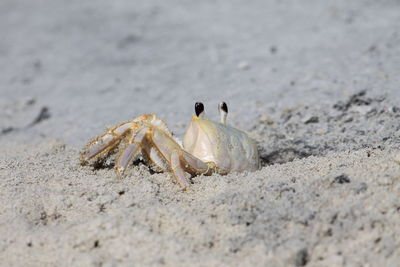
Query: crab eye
{"type": "Point", "coordinates": [223, 106]}
{"type": "Point", "coordinates": [199, 108]}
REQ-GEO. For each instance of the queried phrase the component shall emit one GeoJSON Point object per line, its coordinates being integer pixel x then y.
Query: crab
{"type": "Point", "coordinates": [208, 147]}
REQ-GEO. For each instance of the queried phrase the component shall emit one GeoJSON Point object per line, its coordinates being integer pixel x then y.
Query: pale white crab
{"type": "Point", "coordinates": [208, 146]}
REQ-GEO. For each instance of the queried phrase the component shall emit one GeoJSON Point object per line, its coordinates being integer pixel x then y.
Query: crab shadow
{"type": "Point", "coordinates": [110, 164]}
{"type": "Point", "coordinates": [282, 156]}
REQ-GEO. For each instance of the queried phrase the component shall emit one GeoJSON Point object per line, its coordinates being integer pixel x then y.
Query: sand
{"type": "Point", "coordinates": [315, 83]}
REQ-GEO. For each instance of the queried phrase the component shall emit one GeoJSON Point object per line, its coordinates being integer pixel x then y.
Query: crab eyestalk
{"type": "Point", "coordinates": [199, 109]}
{"type": "Point", "coordinates": [223, 111]}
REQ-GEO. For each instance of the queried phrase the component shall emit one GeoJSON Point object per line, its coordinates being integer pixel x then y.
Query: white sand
{"type": "Point", "coordinates": [315, 84]}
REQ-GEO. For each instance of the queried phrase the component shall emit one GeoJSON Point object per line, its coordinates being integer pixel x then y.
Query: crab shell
{"type": "Point", "coordinates": [229, 149]}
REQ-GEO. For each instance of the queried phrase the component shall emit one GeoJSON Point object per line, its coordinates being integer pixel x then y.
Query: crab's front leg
{"type": "Point", "coordinates": [103, 144]}
{"type": "Point", "coordinates": [179, 160]}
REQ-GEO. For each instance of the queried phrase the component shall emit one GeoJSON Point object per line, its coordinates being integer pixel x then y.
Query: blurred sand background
{"type": "Point", "coordinates": [316, 83]}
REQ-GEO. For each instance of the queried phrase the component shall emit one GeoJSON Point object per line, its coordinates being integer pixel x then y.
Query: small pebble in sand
{"type": "Point", "coordinates": [266, 120]}
{"type": "Point", "coordinates": [341, 179]}
{"type": "Point", "coordinates": [243, 65]}
{"type": "Point", "coordinates": [310, 119]}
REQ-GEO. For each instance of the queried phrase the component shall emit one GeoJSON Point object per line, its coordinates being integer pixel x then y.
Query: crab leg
{"type": "Point", "coordinates": [105, 142]}
{"type": "Point", "coordinates": [97, 146]}
{"type": "Point", "coordinates": [130, 151]}
{"type": "Point", "coordinates": [168, 148]}
{"type": "Point", "coordinates": [192, 163]}
{"type": "Point", "coordinates": [126, 157]}
{"type": "Point", "coordinates": [181, 162]}
{"type": "Point", "coordinates": [157, 159]}
{"type": "Point", "coordinates": [178, 171]}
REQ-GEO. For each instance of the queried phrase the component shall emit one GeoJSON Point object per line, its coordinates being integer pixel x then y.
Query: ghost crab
{"type": "Point", "coordinates": [208, 147]}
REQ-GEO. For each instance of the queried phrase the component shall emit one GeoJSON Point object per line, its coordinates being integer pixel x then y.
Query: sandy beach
{"type": "Point", "coordinates": [315, 83]}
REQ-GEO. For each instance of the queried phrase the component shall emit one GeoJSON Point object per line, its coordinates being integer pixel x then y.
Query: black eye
{"type": "Point", "coordinates": [198, 108]}
{"type": "Point", "coordinates": [224, 107]}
